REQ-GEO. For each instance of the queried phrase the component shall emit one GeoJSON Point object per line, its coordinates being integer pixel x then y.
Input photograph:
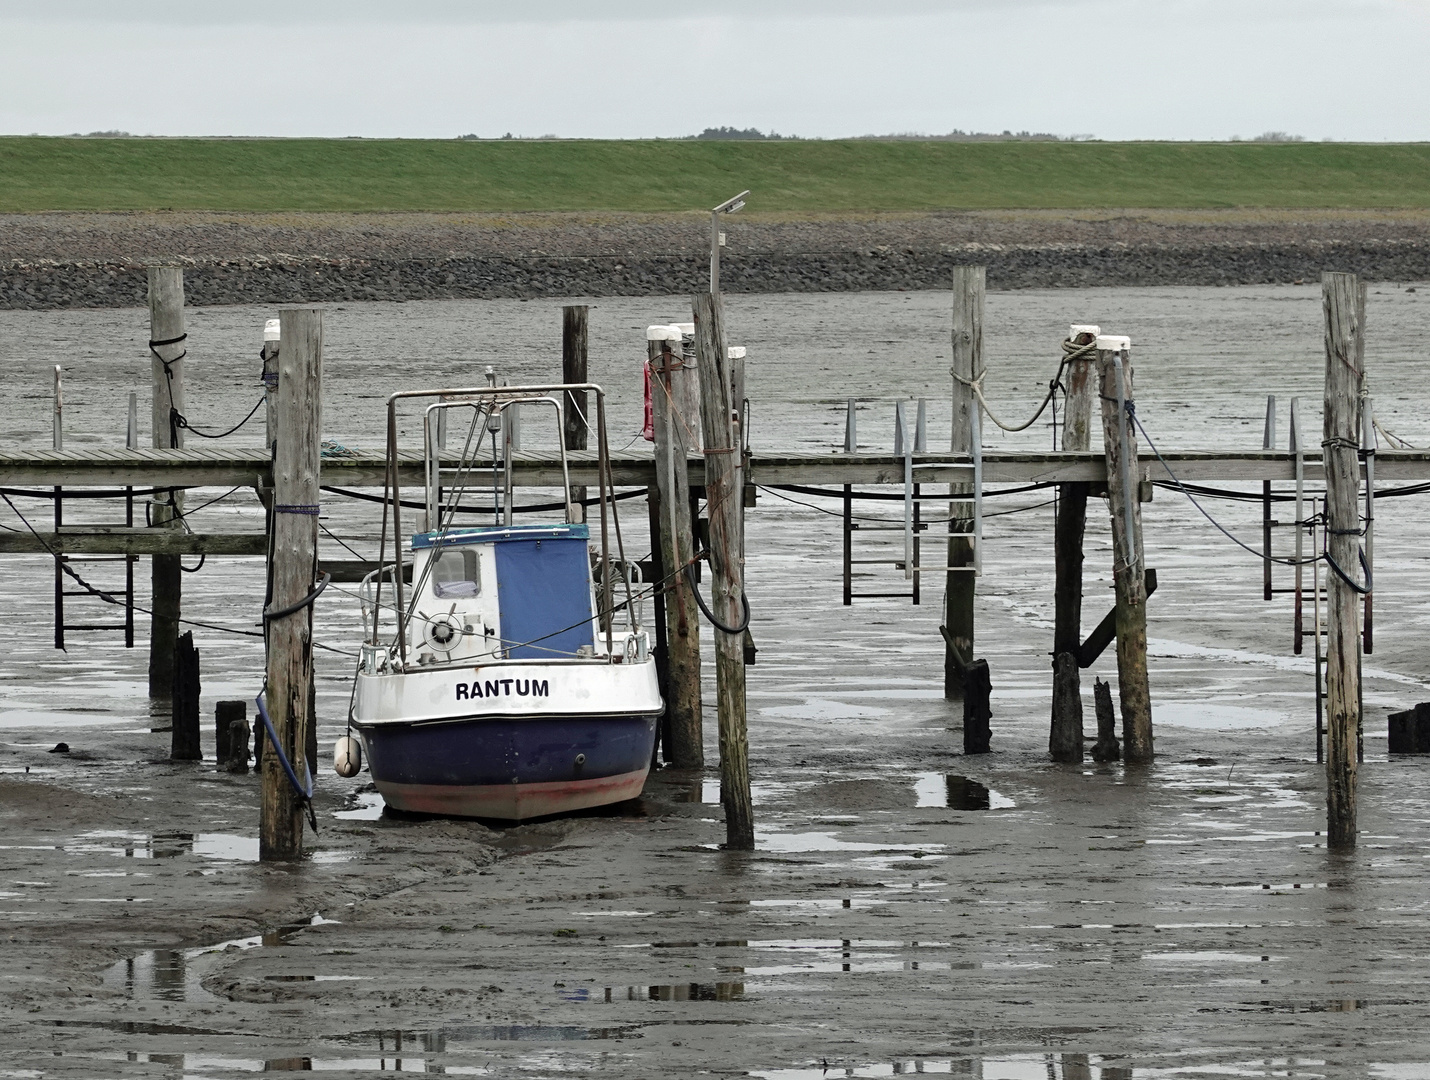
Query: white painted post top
{"type": "Point", "coordinates": [270, 330]}
{"type": "Point", "coordinates": [1076, 330]}
{"type": "Point", "coordinates": [662, 333]}
{"type": "Point", "coordinates": [735, 352]}
{"type": "Point", "coordinates": [686, 328]}
{"type": "Point", "coordinates": [1113, 342]}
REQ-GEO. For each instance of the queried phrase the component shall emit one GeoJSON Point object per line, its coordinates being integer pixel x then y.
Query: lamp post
{"type": "Point", "coordinates": [729, 206]}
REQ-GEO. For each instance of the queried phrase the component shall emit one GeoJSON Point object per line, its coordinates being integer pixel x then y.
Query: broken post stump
{"type": "Point", "coordinates": [1106, 748]}
{"type": "Point", "coordinates": [1410, 730]}
{"type": "Point", "coordinates": [225, 713]}
{"type": "Point", "coordinates": [184, 738]}
{"type": "Point", "coordinates": [977, 688]}
{"type": "Point", "coordinates": [237, 760]}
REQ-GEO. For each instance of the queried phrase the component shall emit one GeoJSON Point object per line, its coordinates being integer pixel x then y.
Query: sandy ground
{"type": "Point", "coordinates": [1182, 920]}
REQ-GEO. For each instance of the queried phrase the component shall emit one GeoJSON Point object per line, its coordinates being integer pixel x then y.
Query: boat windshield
{"type": "Point", "coordinates": [455, 573]}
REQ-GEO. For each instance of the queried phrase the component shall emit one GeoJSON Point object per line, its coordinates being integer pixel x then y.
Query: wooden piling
{"type": "Point", "coordinates": [1065, 737]}
{"type": "Point", "coordinates": [166, 324]}
{"type": "Point", "coordinates": [969, 286]}
{"type": "Point", "coordinates": [977, 690]}
{"type": "Point", "coordinates": [1119, 437]}
{"type": "Point", "coordinates": [684, 747]}
{"type": "Point", "coordinates": [1106, 747]}
{"type": "Point", "coordinates": [575, 336]}
{"type": "Point", "coordinates": [184, 696]}
{"type": "Point", "coordinates": [294, 555]}
{"type": "Point", "coordinates": [1343, 299]}
{"type": "Point", "coordinates": [723, 492]}
{"type": "Point", "coordinates": [225, 714]}
{"type": "Point", "coordinates": [237, 760]}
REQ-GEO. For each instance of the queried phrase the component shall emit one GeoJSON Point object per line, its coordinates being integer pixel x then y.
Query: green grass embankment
{"type": "Point", "coordinates": [376, 175]}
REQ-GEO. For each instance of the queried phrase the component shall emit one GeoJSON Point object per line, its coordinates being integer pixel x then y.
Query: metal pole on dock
{"type": "Point", "coordinates": [296, 462]}
{"type": "Point", "coordinates": [1119, 438]}
{"type": "Point", "coordinates": [684, 746]}
{"type": "Point", "coordinates": [723, 492]}
{"type": "Point", "coordinates": [969, 286]}
{"type": "Point", "coordinates": [1268, 442]}
{"type": "Point", "coordinates": [574, 345]}
{"type": "Point", "coordinates": [168, 345]}
{"type": "Point", "coordinates": [1065, 737]}
{"type": "Point", "coordinates": [1343, 299]}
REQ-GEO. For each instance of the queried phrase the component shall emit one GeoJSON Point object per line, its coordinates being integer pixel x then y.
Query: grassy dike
{"type": "Point", "coordinates": [798, 177]}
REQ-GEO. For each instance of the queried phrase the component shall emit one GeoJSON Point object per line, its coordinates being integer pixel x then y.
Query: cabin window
{"type": "Point", "coordinates": [454, 573]}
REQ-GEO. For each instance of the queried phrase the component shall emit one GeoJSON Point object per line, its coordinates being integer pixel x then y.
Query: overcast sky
{"type": "Point", "coordinates": [1116, 69]}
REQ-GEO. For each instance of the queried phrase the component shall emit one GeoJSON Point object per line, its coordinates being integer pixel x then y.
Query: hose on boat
{"type": "Point", "coordinates": [745, 600]}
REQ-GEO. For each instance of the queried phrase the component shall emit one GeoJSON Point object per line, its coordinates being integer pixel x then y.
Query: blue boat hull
{"type": "Point", "coordinates": [510, 768]}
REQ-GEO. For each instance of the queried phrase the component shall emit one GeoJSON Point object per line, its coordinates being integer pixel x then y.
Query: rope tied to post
{"type": "Point", "coordinates": [177, 420]}
{"type": "Point", "coordinates": [1071, 351]}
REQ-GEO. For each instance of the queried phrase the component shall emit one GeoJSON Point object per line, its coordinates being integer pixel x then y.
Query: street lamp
{"type": "Point", "coordinates": [729, 206]}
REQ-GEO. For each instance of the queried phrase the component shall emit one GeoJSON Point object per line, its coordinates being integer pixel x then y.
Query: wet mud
{"type": "Point", "coordinates": [908, 909]}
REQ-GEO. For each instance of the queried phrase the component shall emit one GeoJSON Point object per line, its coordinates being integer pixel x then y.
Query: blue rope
{"type": "Point", "coordinates": [306, 793]}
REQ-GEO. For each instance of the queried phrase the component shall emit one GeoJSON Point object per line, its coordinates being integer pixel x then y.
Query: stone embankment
{"type": "Point", "coordinates": [81, 261]}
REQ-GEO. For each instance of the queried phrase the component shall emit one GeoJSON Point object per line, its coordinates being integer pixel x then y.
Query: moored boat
{"type": "Point", "coordinates": [512, 679]}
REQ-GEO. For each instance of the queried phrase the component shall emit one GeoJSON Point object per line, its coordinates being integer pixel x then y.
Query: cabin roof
{"type": "Point", "coordinates": [493, 534]}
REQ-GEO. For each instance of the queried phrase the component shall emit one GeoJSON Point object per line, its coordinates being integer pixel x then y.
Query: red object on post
{"type": "Point", "coordinates": [648, 429]}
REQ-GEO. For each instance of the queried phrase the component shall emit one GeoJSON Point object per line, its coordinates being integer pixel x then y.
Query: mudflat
{"type": "Point", "coordinates": [907, 909]}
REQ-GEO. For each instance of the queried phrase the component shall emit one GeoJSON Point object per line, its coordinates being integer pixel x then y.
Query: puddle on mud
{"type": "Point", "coordinates": [440, 1040]}
{"type": "Point", "coordinates": [716, 991]}
{"type": "Point", "coordinates": [366, 806]}
{"type": "Point", "coordinates": [1011, 1067]}
{"type": "Point", "coordinates": [700, 791]}
{"type": "Point", "coordinates": [223, 846]}
{"type": "Point", "coordinates": [957, 793]}
{"type": "Point", "coordinates": [177, 974]}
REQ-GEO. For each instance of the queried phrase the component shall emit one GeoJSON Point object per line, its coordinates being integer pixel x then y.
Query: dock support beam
{"type": "Point", "coordinates": [1119, 438]}
{"type": "Point", "coordinates": [1343, 298]}
{"type": "Point", "coordinates": [684, 742]}
{"type": "Point", "coordinates": [969, 286]}
{"type": "Point", "coordinates": [1065, 738]}
{"type": "Point", "coordinates": [167, 342]}
{"type": "Point", "coordinates": [289, 693]}
{"type": "Point", "coordinates": [724, 489]}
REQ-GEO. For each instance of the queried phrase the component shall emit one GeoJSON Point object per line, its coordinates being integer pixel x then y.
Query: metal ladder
{"type": "Point", "coordinates": [910, 524]}
{"type": "Point", "coordinates": [127, 494]}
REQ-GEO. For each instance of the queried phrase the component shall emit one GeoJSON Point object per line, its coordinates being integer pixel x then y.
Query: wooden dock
{"type": "Point", "coordinates": [208, 467]}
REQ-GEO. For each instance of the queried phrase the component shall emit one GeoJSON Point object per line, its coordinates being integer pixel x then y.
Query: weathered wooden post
{"type": "Point", "coordinates": [294, 554]}
{"type": "Point", "coordinates": [1119, 438]}
{"type": "Point", "coordinates": [225, 713]}
{"type": "Point", "coordinates": [167, 344]}
{"type": "Point", "coordinates": [574, 346]}
{"type": "Point", "coordinates": [969, 286]}
{"type": "Point", "coordinates": [685, 745]}
{"type": "Point", "coordinates": [1106, 748]}
{"type": "Point", "coordinates": [1065, 739]}
{"type": "Point", "coordinates": [723, 491]}
{"type": "Point", "coordinates": [269, 355]}
{"type": "Point", "coordinates": [184, 699]}
{"type": "Point", "coordinates": [1343, 299]}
